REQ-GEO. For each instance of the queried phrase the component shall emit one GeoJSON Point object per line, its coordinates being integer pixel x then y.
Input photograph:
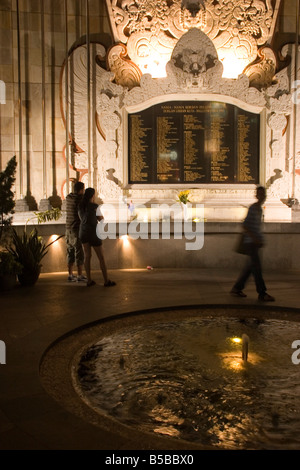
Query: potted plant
{"type": "Point", "coordinates": [9, 268]}
{"type": "Point", "coordinates": [28, 250]}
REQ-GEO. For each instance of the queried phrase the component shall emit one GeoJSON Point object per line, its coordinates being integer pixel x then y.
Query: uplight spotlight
{"type": "Point", "coordinates": [236, 340]}
{"type": "Point", "coordinates": [125, 240]}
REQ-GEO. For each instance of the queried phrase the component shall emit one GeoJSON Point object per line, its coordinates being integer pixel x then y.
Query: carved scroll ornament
{"type": "Point", "coordinates": [150, 29]}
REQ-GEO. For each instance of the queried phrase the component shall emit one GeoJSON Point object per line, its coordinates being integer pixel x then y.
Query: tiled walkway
{"type": "Point", "coordinates": [32, 318]}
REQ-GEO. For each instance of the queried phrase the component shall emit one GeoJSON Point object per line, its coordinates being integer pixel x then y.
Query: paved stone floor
{"type": "Point", "coordinates": [33, 318]}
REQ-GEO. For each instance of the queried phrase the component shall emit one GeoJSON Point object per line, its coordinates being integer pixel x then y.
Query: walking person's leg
{"type": "Point", "coordinates": [70, 255]}
{"type": "Point", "coordinates": [258, 277]}
{"type": "Point", "coordinates": [71, 276]}
{"type": "Point", "coordinates": [100, 255]}
{"type": "Point", "coordinates": [238, 287]}
{"type": "Point", "coordinates": [87, 263]}
{"type": "Point", "coordinates": [257, 272]}
{"type": "Point", "coordinates": [79, 259]}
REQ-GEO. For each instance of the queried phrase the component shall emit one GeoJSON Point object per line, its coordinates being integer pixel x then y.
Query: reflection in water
{"type": "Point", "coordinates": [187, 379]}
{"type": "Point", "coordinates": [235, 362]}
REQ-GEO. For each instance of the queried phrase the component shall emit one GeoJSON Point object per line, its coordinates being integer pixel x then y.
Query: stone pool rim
{"type": "Point", "coordinates": [57, 363]}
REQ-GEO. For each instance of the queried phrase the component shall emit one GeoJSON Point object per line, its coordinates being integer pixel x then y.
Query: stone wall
{"type": "Point", "coordinates": [281, 252]}
{"type": "Point", "coordinates": [31, 69]}
{"type": "Point", "coordinates": [31, 60]}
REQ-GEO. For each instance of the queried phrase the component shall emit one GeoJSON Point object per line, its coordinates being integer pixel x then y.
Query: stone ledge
{"type": "Point", "coordinates": [214, 227]}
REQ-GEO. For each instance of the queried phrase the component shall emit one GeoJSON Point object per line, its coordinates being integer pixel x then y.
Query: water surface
{"type": "Point", "coordinates": [186, 379]}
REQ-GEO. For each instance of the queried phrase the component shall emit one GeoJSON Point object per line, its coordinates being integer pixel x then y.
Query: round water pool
{"type": "Point", "coordinates": [175, 378]}
{"type": "Point", "coordinates": [186, 379]}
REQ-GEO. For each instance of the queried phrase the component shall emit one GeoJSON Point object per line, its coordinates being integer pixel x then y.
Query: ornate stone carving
{"type": "Point", "coordinates": [276, 122]}
{"type": "Point", "coordinates": [195, 52]}
{"type": "Point", "coordinates": [150, 28]}
{"type": "Point", "coordinates": [195, 60]}
{"type": "Point", "coordinates": [261, 73]}
{"type": "Point", "coordinates": [126, 72]}
{"type": "Point", "coordinates": [107, 189]}
{"type": "Point", "coordinates": [280, 189]}
{"type": "Point", "coordinates": [110, 122]}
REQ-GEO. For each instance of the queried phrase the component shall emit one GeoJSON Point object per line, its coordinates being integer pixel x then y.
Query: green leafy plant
{"type": "Point", "coordinates": [29, 250]}
{"type": "Point", "coordinates": [46, 216]}
{"type": "Point", "coordinates": [52, 214]}
{"type": "Point", "coordinates": [7, 202]}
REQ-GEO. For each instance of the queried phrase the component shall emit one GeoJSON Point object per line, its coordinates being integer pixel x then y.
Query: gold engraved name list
{"type": "Point", "coordinates": [167, 148]}
{"type": "Point", "coordinates": [219, 152]}
{"type": "Point", "coordinates": [193, 144]}
{"type": "Point", "coordinates": [139, 149]}
{"type": "Point", "coordinates": [243, 145]}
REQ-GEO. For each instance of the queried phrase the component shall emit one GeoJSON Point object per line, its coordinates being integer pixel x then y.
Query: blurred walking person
{"type": "Point", "coordinates": [253, 241]}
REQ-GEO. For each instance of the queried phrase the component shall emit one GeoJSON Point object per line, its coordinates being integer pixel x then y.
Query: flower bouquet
{"type": "Point", "coordinates": [183, 196]}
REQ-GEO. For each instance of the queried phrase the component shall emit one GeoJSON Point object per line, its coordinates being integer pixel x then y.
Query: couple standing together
{"type": "Point", "coordinates": [82, 217]}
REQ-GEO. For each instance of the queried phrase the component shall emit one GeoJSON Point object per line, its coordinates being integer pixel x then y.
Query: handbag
{"type": "Point", "coordinates": [241, 246]}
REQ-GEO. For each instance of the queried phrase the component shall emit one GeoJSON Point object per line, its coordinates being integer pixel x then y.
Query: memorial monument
{"type": "Point", "coordinates": [187, 100]}
{"type": "Point", "coordinates": [144, 100]}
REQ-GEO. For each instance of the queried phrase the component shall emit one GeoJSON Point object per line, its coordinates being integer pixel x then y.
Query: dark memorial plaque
{"type": "Point", "coordinates": [194, 142]}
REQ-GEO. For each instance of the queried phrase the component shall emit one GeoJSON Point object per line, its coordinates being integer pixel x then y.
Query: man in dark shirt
{"type": "Point", "coordinates": [253, 241]}
{"type": "Point", "coordinates": [74, 247]}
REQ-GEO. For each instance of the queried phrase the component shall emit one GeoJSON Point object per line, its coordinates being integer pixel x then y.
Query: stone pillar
{"type": "Point", "coordinates": [44, 204]}
{"type": "Point", "coordinates": [21, 204]}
